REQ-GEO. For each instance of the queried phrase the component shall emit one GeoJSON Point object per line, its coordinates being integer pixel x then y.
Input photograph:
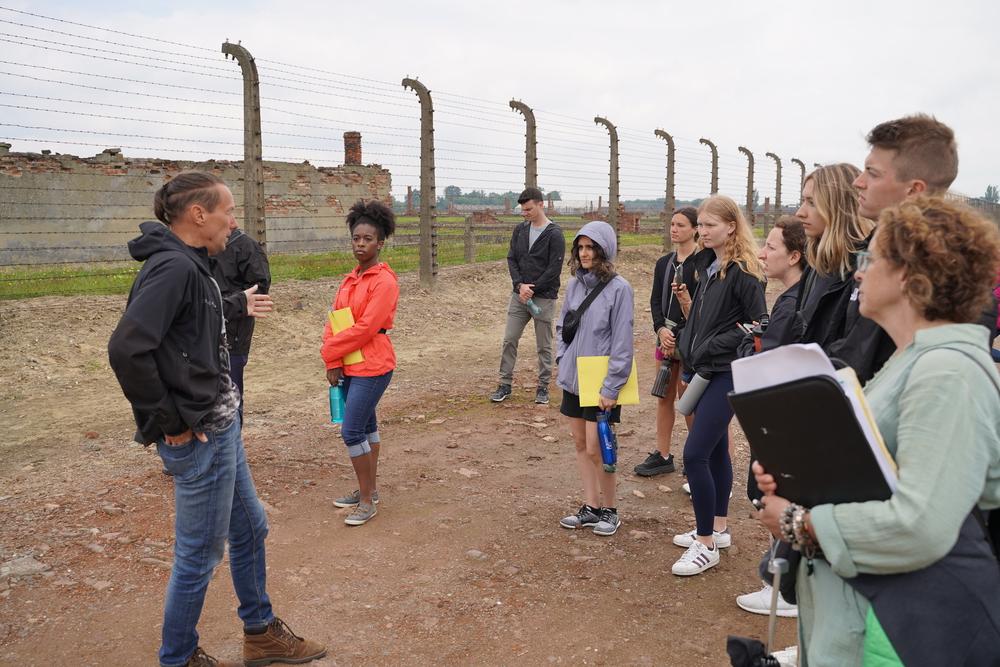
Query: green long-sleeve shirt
{"type": "Point", "coordinates": [939, 415]}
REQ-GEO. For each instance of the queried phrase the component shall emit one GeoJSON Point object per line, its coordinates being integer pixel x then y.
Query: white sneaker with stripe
{"type": "Point", "coordinates": [695, 560]}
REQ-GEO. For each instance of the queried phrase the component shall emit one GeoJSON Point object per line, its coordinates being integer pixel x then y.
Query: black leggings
{"type": "Point", "coordinates": [706, 454]}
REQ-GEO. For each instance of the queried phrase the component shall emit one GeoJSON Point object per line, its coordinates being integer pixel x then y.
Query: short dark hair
{"type": "Point", "coordinates": [530, 194]}
{"type": "Point", "coordinates": [689, 212]}
{"type": "Point", "coordinates": [925, 149]}
{"type": "Point", "coordinates": [793, 235]}
{"type": "Point", "coordinates": [373, 213]}
{"type": "Point", "coordinates": [184, 190]}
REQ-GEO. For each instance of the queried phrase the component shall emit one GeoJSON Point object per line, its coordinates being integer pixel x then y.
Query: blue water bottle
{"type": "Point", "coordinates": [609, 443]}
{"type": "Point", "coordinates": [337, 403]}
{"type": "Point", "coordinates": [535, 309]}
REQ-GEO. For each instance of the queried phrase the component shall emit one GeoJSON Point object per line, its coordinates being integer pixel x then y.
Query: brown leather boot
{"type": "Point", "coordinates": [202, 659]}
{"type": "Point", "coordinates": [279, 644]}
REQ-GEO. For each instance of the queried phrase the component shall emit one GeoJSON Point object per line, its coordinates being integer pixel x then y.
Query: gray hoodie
{"type": "Point", "coordinates": [606, 326]}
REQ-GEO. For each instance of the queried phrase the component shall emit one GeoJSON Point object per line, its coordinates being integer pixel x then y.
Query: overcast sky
{"type": "Point", "coordinates": [800, 79]}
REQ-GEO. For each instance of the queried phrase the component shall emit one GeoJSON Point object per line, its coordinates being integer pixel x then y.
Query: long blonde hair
{"type": "Point", "coordinates": [836, 201]}
{"type": "Point", "coordinates": [741, 247]}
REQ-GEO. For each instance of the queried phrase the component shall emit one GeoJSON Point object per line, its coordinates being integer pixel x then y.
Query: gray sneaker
{"type": "Point", "coordinates": [361, 514]}
{"type": "Point", "coordinates": [353, 498]}
{"type": "Point", "coordinates": [542, 396]}
{"type": "Point", "coordinates": [585, 517]}
{"type": "Point", "coordinates": [501, 394]}
{"type": "Point", "coordinates": [608, 525]}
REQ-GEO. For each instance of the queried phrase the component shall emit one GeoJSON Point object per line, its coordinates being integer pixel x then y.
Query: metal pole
{"type": "Point", "coordinates": [669, 203]}
{"type": "Point", "coordinates": [613, 174]}
{"type": "Point", "coordinates": [530, 144]}
{"type": "Point", "coordinates": [802, 168]}
{"type": "Point", "coordinates": [428, 194]}
{"type": "Point", "coordinates": [253, 160]}
{"type": "Point", "coordinates": [715, 165]}
{"type": "Point", "coordinates": [751, 214]}
{"type": "Point", "coordinates": [777, 185]}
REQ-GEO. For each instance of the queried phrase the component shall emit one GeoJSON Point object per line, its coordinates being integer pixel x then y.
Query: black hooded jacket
{"type": "Point", "coordinates": [165, 349]}
{"type": "Point", "coordinates": [708, 342]}
{"type": "Point", "coordinates": [541, 264]}
{"type": "Point", "coordinates": [240, 266]}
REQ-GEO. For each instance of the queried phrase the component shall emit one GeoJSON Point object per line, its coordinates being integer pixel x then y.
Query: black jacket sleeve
{"type": "Point", "coordinates": [656, 295]}
{"type": "Point", "coordinates": [512, 267]}
{"type": "Point", "coordinates": [749, 292]}
{"type": "Point", "coordinates": [553, 267]}
{"type": "Point", "coordinates": [865, 346]}
{"type": "Point", "coordinates": [151, 310]}
{"type": "Point", "coordinates": [252, 269]}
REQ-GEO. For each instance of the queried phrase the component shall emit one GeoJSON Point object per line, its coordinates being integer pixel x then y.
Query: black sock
{"type": "Point", "coordinates": [612, 509]}
{"type": "Point", "coordinates": [255, 631]}
{"type": "Point", "coordinates": [592, 509]}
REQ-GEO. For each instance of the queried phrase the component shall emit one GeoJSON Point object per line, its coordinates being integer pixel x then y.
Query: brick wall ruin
{"type": "Point", "coordinates": [64, 208]}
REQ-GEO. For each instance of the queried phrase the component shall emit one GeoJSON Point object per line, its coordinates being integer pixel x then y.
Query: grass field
{"type": "Point", "coordinates": [403, 256]}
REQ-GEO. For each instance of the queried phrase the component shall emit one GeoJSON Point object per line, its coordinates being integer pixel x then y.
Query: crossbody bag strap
{"type": "Point", "coordinates": [593, 295]}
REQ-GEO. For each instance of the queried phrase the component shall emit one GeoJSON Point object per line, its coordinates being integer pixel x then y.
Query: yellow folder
{"type": "Point", "coordinates": [590, 374]}
{"type": "Point", "coordinates": [340, 320]}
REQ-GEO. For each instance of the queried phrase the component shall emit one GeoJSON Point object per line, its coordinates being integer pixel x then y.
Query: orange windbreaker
{"type": "Point", "coordinates": [372, 297]}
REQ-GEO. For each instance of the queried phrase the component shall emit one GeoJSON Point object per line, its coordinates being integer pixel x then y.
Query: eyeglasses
{"type": "Point", "coordinates": [865, 259]}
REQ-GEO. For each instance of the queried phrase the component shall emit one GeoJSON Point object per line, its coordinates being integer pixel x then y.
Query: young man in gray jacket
{"type": "Point", "coordinates": [537, 248]}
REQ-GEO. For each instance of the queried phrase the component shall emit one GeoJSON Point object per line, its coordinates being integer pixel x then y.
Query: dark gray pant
{"type": "Point", "coordinates": [517, 318]}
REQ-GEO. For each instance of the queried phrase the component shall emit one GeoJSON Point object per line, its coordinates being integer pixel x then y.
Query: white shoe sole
{"type": "Point", "coordinates": [784, 613]}
{"type": "Point", "coordinates": [698, 571]}
{"type": "Point", "coordinates": [343, 505]}
{"type": "Point", "coordinates": [360, 522]}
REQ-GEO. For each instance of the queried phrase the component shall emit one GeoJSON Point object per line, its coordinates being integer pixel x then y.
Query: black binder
{"type": "Point", "coordinates": [805, 434]}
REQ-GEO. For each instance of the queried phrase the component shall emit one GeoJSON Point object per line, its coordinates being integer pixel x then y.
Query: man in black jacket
{"type": "Point", "coordinates": [244, 277]}
{"type": "Point", "coordinates": [535, 258]}
{"type": "Point", "coordinates": [169, 355]}
{"type": "Point", "coordinates": [909, 156]}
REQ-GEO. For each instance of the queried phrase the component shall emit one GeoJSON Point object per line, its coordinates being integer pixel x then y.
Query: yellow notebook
{"type": "Point", "coordinates": [590, 374]}
{"type": "Point", "coordinates": [340, 320]}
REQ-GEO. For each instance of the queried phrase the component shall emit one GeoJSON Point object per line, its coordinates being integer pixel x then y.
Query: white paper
{"type": "Point", "coordinates": [780, 365]}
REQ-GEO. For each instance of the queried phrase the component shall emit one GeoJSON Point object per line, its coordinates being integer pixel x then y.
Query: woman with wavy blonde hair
{"type": "Point", "coordinates": [730, 291]}
{"type": "Point", "coordinates": [837, 232]}
{"type": "Point", "coordinates": [836, 228]}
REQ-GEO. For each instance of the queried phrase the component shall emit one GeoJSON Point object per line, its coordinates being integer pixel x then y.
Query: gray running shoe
{"type": "Point", "coordinates": [361, 514]}
{"type": "Point", "coordinates": [353, 498]}
{"type": "Point", "coordinates": [608, 525]}
{"type": "Point", "coordinates": [585, 517]}
{"type": "Point", "coordinates": [542, 396]}
{"type": "Point", "coordinates": [501, 394]}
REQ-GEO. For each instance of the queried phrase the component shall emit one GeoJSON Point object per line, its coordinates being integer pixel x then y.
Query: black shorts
{"type": "Point", "coordinates": [571, 408]}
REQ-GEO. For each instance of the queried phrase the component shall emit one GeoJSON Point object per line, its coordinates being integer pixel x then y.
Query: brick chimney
{"type": "Point", "coordinates": [352, 149]}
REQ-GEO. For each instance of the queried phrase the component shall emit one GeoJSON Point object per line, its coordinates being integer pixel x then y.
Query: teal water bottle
{"type": "Point", "coordinates": [337, 403]}
{"type": "Point", "coordinates": [535, 309]}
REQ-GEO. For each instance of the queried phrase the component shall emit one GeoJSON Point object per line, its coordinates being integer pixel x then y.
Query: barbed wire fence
{"type": "Point", "coordinates": [154, 107]}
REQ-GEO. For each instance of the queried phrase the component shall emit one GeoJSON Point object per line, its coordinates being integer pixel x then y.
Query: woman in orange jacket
{"type": "Point", "coordinates": [371, 291]}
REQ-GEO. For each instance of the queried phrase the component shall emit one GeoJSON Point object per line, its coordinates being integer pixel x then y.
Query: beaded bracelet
{"type": "Point", "coordinates": [802, 539]}
{"type": "Point", "coordinates": [786, 523]}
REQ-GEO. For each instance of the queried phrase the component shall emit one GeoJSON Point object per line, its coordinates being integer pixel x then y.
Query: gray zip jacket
{"type": "Point", "coordinates": [606, 326]}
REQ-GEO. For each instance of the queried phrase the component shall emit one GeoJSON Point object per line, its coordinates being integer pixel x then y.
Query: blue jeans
{"type": "Point", "coordinates": [215, 500]}
{"type": "Point", "coordinates": [706, 454]}
{"type": "Point", "coordinates": [361, 397]}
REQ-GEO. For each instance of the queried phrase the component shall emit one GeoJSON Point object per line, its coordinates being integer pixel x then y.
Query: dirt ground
{"type": "Point", "coordinates": [465, 562]}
